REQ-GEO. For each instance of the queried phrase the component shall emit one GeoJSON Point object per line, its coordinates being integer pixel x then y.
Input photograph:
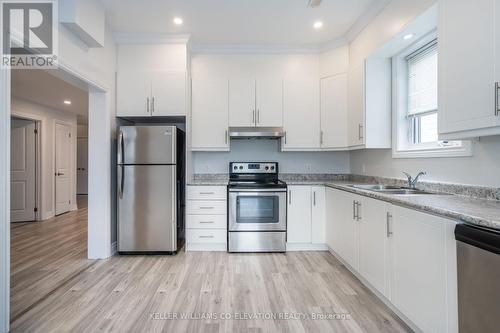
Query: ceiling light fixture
{"type": "Point", "coordinates": [177, 20]}
{"type": "Point", "coordinates": [67, 102]}
{"type": "Point", "coordinates": [314, 3]}
{"type": "Point", "coordinates": [318, 25]}
{"type": "Point", "coordinates": [408, 36]}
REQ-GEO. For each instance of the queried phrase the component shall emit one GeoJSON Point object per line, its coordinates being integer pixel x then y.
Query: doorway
{"type": "Point", "coordinates": [24, 160]}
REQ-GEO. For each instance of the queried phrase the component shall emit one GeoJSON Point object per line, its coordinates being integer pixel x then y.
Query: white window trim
{"type": "Point", "coordinates": [400, 105]}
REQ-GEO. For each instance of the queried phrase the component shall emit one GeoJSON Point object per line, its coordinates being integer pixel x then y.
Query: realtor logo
{"type": "Point", "coordinates": [29, 34]}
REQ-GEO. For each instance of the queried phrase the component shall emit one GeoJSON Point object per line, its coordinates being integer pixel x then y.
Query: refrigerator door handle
{"type": "Point", "coordinates": [122, 181]}
{"type": "Point", "coordinates": [121, 151]}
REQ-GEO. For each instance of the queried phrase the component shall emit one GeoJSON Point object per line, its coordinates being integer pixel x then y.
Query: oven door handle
{"type": "Point", "coordinates": [252, 190]}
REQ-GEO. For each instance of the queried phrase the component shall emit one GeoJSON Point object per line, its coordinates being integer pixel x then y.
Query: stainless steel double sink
{"type": "Point", "coordinates": [388, 189]}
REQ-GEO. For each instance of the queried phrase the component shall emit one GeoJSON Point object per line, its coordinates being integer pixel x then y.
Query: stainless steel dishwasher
{"type": "Point", "coordinates": [478, 266]}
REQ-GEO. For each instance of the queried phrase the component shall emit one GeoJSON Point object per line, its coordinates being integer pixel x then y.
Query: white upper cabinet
{"type": "Point", "coordinates": [301, 115]}
{"type": "Point", "coordinates": [168, 96]}
{"type": "Point", "coordinates": [333, 133]}
{"type": "Point", "coordinates": [469, 68]}
{"type": "Point", "coordinates": [369, 105]}
{"type": "Point", "coordinates": [151, 80]}
{"type": "Point", "coordinates": [209, 126]}
{"type": "Point", "coordinates": [356, 115]}
{"type": "Point", "coordinates": [255, 102]}
{"type": "Point", "coordinates": [269, 102]}
{"type": "Point", "coordinates": [242, 110]}
{"type": "Point", "coordinates": [133, 94]}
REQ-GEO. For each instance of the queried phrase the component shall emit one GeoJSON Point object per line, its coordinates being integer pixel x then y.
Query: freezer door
{"type": "Point", "coordinates": [147, 145]}
{"type": "Point", "coordinates": [146, 208]}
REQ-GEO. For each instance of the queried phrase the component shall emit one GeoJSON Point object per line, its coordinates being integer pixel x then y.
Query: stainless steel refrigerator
{"type": "Point", "coordinates": [149, 188]}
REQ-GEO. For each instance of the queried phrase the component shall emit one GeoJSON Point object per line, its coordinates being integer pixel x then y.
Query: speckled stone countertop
{"type": "Point", "coordinates": [481, 212]}
{"type": "Point", "coordinates": [469, 204]}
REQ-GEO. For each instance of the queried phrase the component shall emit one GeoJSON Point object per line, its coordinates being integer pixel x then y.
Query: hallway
{"type": "Point", "coordinates": [45, 255]}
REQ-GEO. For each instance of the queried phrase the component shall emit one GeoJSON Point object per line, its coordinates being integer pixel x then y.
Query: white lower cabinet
{"type": "Point", "coordinates": [306, 218]}
{"type": "Point", "coordinates": [424, 286]}
{"type": "Point", "coordinates": [374, 247]}
{"type": "Point", "coordinates": [206, 218]}
{"type": "Point", "coordinates": [407, 256]}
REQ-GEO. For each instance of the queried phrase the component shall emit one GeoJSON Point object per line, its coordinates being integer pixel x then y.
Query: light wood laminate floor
{"type": "Point", "coordinates": [145, 293]}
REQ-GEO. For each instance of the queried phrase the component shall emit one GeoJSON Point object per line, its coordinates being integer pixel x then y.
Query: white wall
{"type": "Point", "coordinates": [267, 150]}
{"type": "Point", "coordinates": [481, 169]}
{"type": "Point", "coordinates": [48, 118]}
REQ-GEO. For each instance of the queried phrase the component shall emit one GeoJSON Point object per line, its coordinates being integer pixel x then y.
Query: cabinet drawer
{"type": "Point", "coordinates": [206, 221]}
{"type": "Point", "coordinates": [206, 193]}
{"type": "Point", "coordinates": [197, 207]}
{"type": "Point", "coordinates": [206, 236]}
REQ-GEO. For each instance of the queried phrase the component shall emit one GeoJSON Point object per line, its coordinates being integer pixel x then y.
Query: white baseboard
{"type": "Point", "coordinates": [379, 295]}
{"type": "Point", "coordinates": [292, 247]}
{"type": "Point", "coordinates": [47, 215]}
{"type": "Point", "coordinates": [213, 247]}
{"type": "Point", "coordinates": [73, 207]}
{"type": "Point", "coordinates": [114, 248]}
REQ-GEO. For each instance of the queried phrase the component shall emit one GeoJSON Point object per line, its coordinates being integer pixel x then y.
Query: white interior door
{"type": "Point", "coordinates": [23, 171]}
{"type": "Point", "coordinates": [63, 168]}
{"type": "Point", "coordinates": [82, 169]}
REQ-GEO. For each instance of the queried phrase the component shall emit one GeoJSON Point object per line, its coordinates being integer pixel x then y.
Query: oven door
{"type": "Point", "coordinates": [257, 210]}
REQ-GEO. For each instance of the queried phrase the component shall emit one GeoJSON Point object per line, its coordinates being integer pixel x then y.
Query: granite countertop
{"type": "Point", "coordinates": [478, 211]}
{"type": "Point", "coordinates": [481, 212]}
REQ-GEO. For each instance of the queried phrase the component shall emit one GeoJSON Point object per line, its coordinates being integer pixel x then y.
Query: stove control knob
{"type": "Point", "coordinates": [235, 167]}
{"type": "Point", "coordinates": [272, 167]}
{"type": "Point", "coordinates": [267, 168]}
{"type": "Point", "coordinates": [241, 167]}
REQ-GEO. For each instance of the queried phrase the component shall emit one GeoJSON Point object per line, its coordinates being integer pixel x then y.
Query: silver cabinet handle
{"type": "Point", "coordinates": [207, 193]}
{"type": "Point", "coordinates": [321, 137]}
{"type": "Point", "coordinates": [206, 236]}
{"type": "Point", "coordinates": [360, 131]}
{"type": "Point", "coordinates": [147, 105]}
{"type": "Point", "coordinates": [225, 137]}
{"type": "Point", "coordinates": [354, 210]}
{"type": "Point", "coordinates": [258, 116]}
{"type": "Point", "coordinates": [206, 207]}
{"type": "Point", "coordinates": [285, 137]}
{"type": "Point", "coordinates": [388, 224]}
{"type": "Point", "coordinates": [152, 105]}
{"type": "Point", "coordinates": [314, 198]}
{"type": "Point", "coordinates": [290, 197]}
{"type": "Point", "coordinates": [358, 215]}
{"type": "Point", "coordinates": [253, 116]}
{"type": "Point", "coordinates": [497, 89]}
{"type": "Point", "coordinates": [206, 222]}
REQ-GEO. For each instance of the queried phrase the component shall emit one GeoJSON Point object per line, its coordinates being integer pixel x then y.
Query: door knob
{"type": "Point", "coordinates": [59, 174]}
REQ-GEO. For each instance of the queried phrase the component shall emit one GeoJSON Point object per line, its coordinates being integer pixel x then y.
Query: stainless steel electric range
{"type": "Point", "coordinates": [257, 208]}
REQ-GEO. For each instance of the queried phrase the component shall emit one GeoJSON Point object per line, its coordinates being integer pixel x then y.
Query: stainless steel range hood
{"type": "Point", "coordinates": [256, 132]}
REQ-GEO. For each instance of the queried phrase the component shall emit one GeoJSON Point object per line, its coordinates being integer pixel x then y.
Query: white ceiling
{"type": "Point", "coordinates": [38, 86]}
{"type": "Point", "coordinates": [249, 22]}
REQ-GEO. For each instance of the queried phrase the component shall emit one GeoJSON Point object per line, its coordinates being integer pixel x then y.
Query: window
{"type": "Point", "coordinates": [416, 104]}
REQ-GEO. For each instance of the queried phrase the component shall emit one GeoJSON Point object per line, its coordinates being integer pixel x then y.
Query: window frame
{"type": "Point", "coordinates": [402, 146]}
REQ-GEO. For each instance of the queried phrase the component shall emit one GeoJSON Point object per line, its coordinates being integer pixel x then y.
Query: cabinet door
{"type": "Point", "coordinates": [168, 93]}
{"type": "Point", "coordinates": [133, 93]}
{"type": "Point", "coordinates": [242, 112]}
{"type": "Point", "coordinates": [269, 103]}
{"type": "Point", "coordinates": [299, 214]}
{"type": "Point", "coordinates": [210, 114]}
{"type": "Point", "coordinates": [333, 216]}
{"type": "Point", "coordinates": [467, 68]}
{"type": "Point", "coordinates": [356, 114]}
{"type": "Point", "coordinates": [301, 114]}
{"type": "Point", "coordinates": [345, 227]}
{"type": "Point", "coordinates": [334, 111]}
{"type": "Point", "coordinates": [424, 269]}
{"type": "Point", "coordinates": [374, 244]}
{"type": "Point", "coordinates": [318, 219]}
